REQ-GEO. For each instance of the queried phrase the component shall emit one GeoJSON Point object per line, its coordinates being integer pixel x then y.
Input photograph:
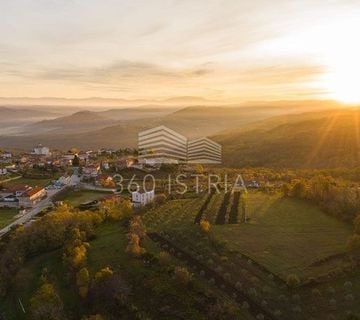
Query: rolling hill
{"type": "Point", "coordinates": [137, 113]}
{"type": "Point", "coordinates": [76, 122]}
{"type": "Point", "coordinates": [14, 114]}
{"type": "Point", "coordinates": [251, 136]}
{"type": "Point", "coordinates": [12, 120]}
{"type": "Point", "coordinates": [315, 140]}
{"type": "Point", "coordinates": [119, 127]}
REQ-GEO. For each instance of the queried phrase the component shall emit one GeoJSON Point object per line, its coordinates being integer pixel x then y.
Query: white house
{"type": "Point", "coordinates": [41, 150]}
{"type": "Point", "coordinates": [142, 198]}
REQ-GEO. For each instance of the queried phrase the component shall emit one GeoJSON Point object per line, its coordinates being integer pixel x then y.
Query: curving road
{"type": "Point", "coordinates": [31, 213]}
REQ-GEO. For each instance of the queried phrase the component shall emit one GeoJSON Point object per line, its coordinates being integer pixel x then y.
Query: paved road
{"type": "Point", "coordinates": [10, 179]}
{"type": "Point", "coordinates": [47, 202]}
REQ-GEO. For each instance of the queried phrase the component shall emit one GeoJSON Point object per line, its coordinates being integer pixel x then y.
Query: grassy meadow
{"type": "Point", "coordinates": [7, 216]}
{"type": "Point", "coordinates": [77, 197]}
{"type": "Point", "coordinates": [285, 235]}
{"type": "Point", "coordinates": [28, 181]}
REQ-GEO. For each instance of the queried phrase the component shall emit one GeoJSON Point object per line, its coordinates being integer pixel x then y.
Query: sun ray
{"type": "Point", "coordinates": [357, 133]}
{"type": "Point", "coordinates": [325, 132]}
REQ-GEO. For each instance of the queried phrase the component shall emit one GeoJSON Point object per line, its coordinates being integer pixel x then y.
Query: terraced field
{"type": "Point", "coordinates": [223, 208]}
{"type": "Point", "coordinates": [258, 255]}
{"type": "Point", "coordinates": [174, 215]}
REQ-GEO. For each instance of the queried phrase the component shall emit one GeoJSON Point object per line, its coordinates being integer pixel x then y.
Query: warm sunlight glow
{"type": "Point", "coordinates": [343, 79]}
{"type": "Point", "coordinates": [344, 86]}
{"type": "Point", "coordinates": [333, 46]}
{"type": "Point", "coordinates": [231, 52]}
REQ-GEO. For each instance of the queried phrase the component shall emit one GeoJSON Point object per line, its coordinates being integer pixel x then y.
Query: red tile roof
{"type": "Point", "coordinates": [34, 191]}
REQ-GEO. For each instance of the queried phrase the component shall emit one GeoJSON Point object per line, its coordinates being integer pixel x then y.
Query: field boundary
{"type": "Point", "coordinates": [222, 212]}
{"type": "Point", "coordinates": [229, 288]}
{"type": "Point", "coordinates": [204, 207]}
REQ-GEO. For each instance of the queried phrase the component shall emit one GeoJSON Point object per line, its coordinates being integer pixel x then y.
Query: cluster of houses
{"type": "Point", "coordinates": [21, 196]}
{"type": "Point", "coordinates": [41, 157]}
{"type": "Point", "coordinates": [94, 165]}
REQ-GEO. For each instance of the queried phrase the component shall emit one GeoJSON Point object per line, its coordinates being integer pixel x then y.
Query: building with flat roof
{"type": "Point", "coordinates": [204, 150]}
{"type": "Point", "coordinates": [162, 145]}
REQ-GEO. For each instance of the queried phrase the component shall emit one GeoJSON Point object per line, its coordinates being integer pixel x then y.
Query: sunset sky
{"type": "Point", "coordinates": [231, 50]}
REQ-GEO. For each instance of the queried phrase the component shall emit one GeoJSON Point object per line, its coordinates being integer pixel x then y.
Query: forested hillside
{"type": "Point", "coordinates": [329, 140]}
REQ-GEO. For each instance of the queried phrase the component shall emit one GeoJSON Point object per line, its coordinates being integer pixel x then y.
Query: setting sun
{"type": "Point", "coordinates": [342, 57]}
{"type": "Point", "coordinates": [344, 87]}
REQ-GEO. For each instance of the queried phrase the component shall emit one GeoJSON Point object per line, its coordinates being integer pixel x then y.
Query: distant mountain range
{"type": "Point", "coordinates": [259, 135]}
{"type": "Point", "coordinates": [8, 114]}
{"type": "Point", "coordinates": [105, 102]}
{"type": "Point", "coordinates": [13, 120]}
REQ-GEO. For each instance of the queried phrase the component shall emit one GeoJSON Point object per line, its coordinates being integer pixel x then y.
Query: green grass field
{"type": "Point", "coordinates": [29, 182]}
{"type": "Point", "coordinates": [213, 207]}
{"type": "Point", "coordinates": [7, 216]}
{"type": "Point", "coordinates": [285, 235]}
{"type": "Point", "coordinates": [77, 197]}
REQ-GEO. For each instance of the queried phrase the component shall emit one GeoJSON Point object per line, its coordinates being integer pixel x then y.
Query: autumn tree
{"type": "Point", "coordinates": [103, 274]}
{"type": "Point", "coordinates": [133, 247]}
{"type": "Point", "coordinates": [82, 282]}
{"type": "Point", "coordinates": [46, 304]}
{"type": "Point", "coordinates": [47, 233]}
{"type": "Point", "coordinates": [205, 226]}
{"type": "Point", "coordinates": [116, 209]}
{"type": "Point", "coordinates": [75, 250]}
{"type": "Point", "coordinates": [137, 227]}
{"type": "Point", "coordinates": [182, 276]}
